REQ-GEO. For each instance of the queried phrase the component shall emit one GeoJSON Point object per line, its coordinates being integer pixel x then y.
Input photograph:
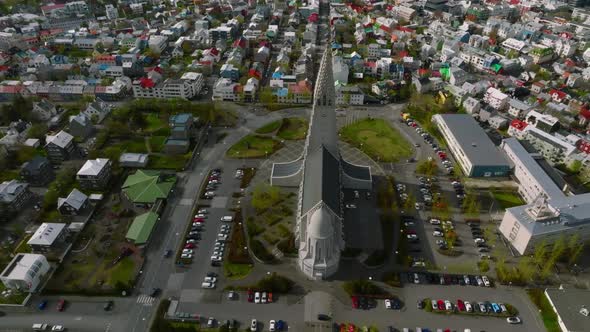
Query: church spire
{"type": "Point", "coordinates": [324, 94]}
{"type": "Point", "coordinates": [322, 127]}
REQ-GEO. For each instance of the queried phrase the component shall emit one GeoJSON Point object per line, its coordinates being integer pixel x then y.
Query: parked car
{"type": "Point", "coordinates": [253, 325]}
{"type": "Point", "coordinates": [355, 302]}
{"type": "Point", "coordinates": [441, 304]}
{"type": "Point", "coordinates": [257, 297]}
{"type": "Point", "coordinates": [250, 296]}
{"type": "Point", "coordinates": [263, 298]}
{"type": "Point", "coordinates": [448, 305]}
{"type": "Point", "coordinates": [496, 308]}
{"type": "Point", "coordinates": [479, 281]}
{"type": "Point", "coordinates": [482, 307]}
{"type": "Point", "coordinates": [42, 305]}
{"type": "Point", "coordinates": [468, 307]}
{"type": "Point", "coordinates": [513, 320]}
{"type": "Point", "coordinates": [434, 304]}
{"type": "Point", "coordinates": [486, 281]}
{"type": "Point", "coordinates": [61, 305]}
{"type": "Point", "coordinates": [186, 256]}
{"type": "Point", "coordinates": [211, 322]}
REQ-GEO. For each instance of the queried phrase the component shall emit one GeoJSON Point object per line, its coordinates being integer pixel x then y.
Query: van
{"type": "Point", "coordinates": [406, 329]}
{"type": "Point", "coordinates": [227, 218]}
{"type": "Point", "coordinates": [40, 327]}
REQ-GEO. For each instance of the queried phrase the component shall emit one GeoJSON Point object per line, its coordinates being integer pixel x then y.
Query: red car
{"type": "Point", "coordinates": [269, 300]}
{"type": "Point", "coordinates": [410, 231]}
{"type": "Point", "coordinates": [250, 295]}
{"type": "Point", "coordinates": [355, 302]}
{"type": "Point", "coordinates": [461, 305]}
{"type": "Point", "coordinates": [414, 125]}
{"type": "Point", "coordinates": [198, 220]}
{"type": "Point", "coordinates": [61, 305]}
{"type": "Point", "coordinates": [342, 327]}
{"type": "Point", "coordinates": [440, 304]}
{"type": "Point", "coordinates": [189, 246]}
{"type": "Point", "coordinates": [351, 327]}
{"type": "Point", "coordinates": [442, 156]}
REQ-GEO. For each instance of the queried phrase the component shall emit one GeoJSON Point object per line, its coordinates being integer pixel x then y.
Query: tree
{"type": "Point", "coordinates": [38, 131]}
{"type": "Point", "coordinates": [266, 96]}
{"type": "Point", "coordinates": [527, 268]}
{"type": "Point", "coordinates": [540, 254]}
{"type": "Point", "coordinates": [427, 167]}
{"type": "Point", "coordinates": [138, 120]}
{"type": "Point", "coordinates": [575, 254]}
{"type": "Point", "coordinates": [409, 203]}
{"type": "Point", "coordinates": [471, 205]}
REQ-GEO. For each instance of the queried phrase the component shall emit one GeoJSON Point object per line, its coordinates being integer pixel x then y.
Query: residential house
{"type": "Point", "coordinates": [16, 134]}
{"type": "Point", "coordinates": [496, 98]}
{"type": "Point", "coordinates": [76, 203]}
{"type": "Point", "coordinates": [457, 76]}
{"type": "Point", "coordinates": [95, 174]}
{"type": "Point", "coordinates": [471, 105]}
{"type": "Point", "coordinates": [44, 110]}
{"type": "Point", "coordinates": [134, 160]}
{"type": "Point", "coordinates": [14, 194]}
{"type": "Point", "coordinates": [518, 109]}
{"type": "Point", "coordinates": [498, 122]}
{"type": "Point", "coordinates": [181, 125]}
{"type": "Point", "coordinates": [157, 43]}
{"type": "Point", "coordinates": [97, 110]}
{"type": "Point", "coordinates": [60, 147]}
{"type": "Point", "coordinates": [176, 146]}
{"type": "Point", "coordinates": [226, 89]}
{"type": "Point", "coordinates": [37, 172]}
{"type": "Point", "coordinates": [349, 95]}
{"type": "Point", "coordinates": [48, 236]}
{"type": "Point", "coordinates": [81, 126]}
{"type": "Point", "coordinates": [229, 71]}
{"type": "Point", "coordinates": [25, 272]}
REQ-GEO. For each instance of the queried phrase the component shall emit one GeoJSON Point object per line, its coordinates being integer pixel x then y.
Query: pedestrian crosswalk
{"type": "Point", "coordinates": [145, 300]}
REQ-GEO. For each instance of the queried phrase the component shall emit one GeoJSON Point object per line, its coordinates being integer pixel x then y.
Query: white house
{"type": "Point", "coordinates": [25, 272]}
{"type": "Point", "coordinates": [495, 98]}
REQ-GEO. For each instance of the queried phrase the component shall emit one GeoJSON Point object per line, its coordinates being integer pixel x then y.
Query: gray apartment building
{"type": "Point", "coordinates": [60, 147]}
{"type": "Point", "coordinates": [95, 174]}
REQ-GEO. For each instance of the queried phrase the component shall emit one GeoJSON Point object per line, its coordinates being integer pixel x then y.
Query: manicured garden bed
{"type": "Point", "coordinates": [293, 129]}
{"type": "Point", "coordinates": [507, 199]}
{"type": "Point", "coordinates": [270, 127]}
{"type": "Point", "coordinates": [548, 316]}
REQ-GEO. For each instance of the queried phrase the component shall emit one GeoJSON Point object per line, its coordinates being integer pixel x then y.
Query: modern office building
{"type": "Point", "coordinates": [471, 147]}
{"type": "Point", "coordinates": [551, 210]}
{"type": "Point", "coordinates": [321, 173]}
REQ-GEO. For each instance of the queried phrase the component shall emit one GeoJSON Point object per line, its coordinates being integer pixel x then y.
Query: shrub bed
{"type": "Point", "coordinates": [364, 287]}
{"type": "Point", "coordinates": [548, 316]}
{"type": "Point", "coordinates": [236, 253]}
{"type": "Point", "coordinates": [260, 251]}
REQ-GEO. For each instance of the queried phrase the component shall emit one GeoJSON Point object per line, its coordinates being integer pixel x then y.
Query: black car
{"type": "Point", "coordinates": [420, 304]}
{"type": "Point", "coordinates": [323, 317]}
{"type": "Point", "coordinates": [396, 304]}
{"type": "Point", "coordinates": [167, 253]}
{"type": "Point", "coordinates": [364, 303]}
{"type": "Point", "coordinates": [482, 245]}
{"type": "Point", "coordinates": [212, 274]}
{"type": "Point", "coordinates": [155, 292]}
{"type": "Point", "coordinates": [108, 305]}
{"type": "Point", "coordinates": [215, 263]}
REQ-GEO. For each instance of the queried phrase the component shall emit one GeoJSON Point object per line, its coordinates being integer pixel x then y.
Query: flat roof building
{"type": "Point", "coordinates": [551, 211]}
{"type": "Point", "coordinates": [471, 147]}
{"type": "Point", "coordinates": [572, 308]}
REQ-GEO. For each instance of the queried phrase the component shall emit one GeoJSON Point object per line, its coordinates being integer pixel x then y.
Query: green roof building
{"type": "Point", "coordinates": [141, 228]}
{"type": "Point", "coordinates": [145, 187]}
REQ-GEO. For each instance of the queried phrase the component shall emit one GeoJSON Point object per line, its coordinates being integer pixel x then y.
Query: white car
{"type": "Point", "coordinates": [482, 307]}
{"type": "Point", "coordinates": [387, 304]}
{"type": "Point", "coordinates": [263, 298]}
{"type": "Point", "coordinates": [468, 306]}
{"type": "Point", "coordinates": [58, 328]}
{"type": "Point", "coordinates": [486, 281]}
{"type": "Point", "coordinates": [211, 279]}
{"type": "Point", "coordinates": [227, 218]}
{"type": "Point", "coordinates": [434, 305]}
{"type": "Point", "coordinates": [218, 253]}
{"type": "Point", "coordinates": [434, 221]}
{"type": "Point", "coordinates": [201, 215]}
{"type": "Point", "coordinates": [416, 278]}
{"type": "Point", "coordinates": [513, 320]}
{"type": "Point", "coordinates": [186, 256]}
{"type": "Point", "coordinates": [257, 297]}
{"type": "Point", "coordinates": [215, 258]}
{"type": "Point", "coordinates": [350, 206]}
{"type": "Point", "coordinates": [253, 325]}
{"type": "Point", "coordinates": [437, 233]}
{"type": "Point", "coordinates": [467, 280]}
{"type": "Point", "coordinates": [272, 325]}
{"type": "Point", "coordinates": [208, 285]}
{"type": "Point", "coordinates": [448, 305]}
{"type": "Point", "coordinates": [412, 236]}
{"type": "Point", "coordinates": [221, 237]}
{"type": "Point", "coordinates": [479, 281]}
{"type": "Point", "coordinates": [503, 307]}
{"type": "Point", "coordinates": [187, 251]}
{"type": "Point", "coordinates": [202, 211]}
{"type": "Point", "coordinates": [191, 241]}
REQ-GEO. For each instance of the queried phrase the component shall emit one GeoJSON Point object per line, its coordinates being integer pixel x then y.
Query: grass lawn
{"type": "Point", "coordinates": [136, 145]}
{"type": "Point", "coordinates": [154, 122]}
{"type": "Point", "coordinates": [547, 314]}
{"type": "Point", "coordinates": [15, 298]}
{"type": "Point", "coordinates": [10, 174]}
{"type": "Point", "coordinates": [378, 139]}
{"type": "Point", "coordinates": [176, 162]}
{"type": "Point", "coordinates": [234, 271]}
{"type": "Point", "coordinates": [253, 146]}
{"type": "Point", "coordinates": [507, 199]}
{"type": "Point", "coordinates": [123, 272]}
{"type": "Point", "coordinates": [293, 128]}
{"type": "Point", "coordinates": [157, 143]}
{"type": "Point", "coordinates": [270, 127]}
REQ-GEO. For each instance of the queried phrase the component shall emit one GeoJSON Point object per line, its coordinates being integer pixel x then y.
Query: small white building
{"type": "Point", "coordinates": [25, 272]}
{"type": "Point", "coordinates": [47, 235]}
{"type": "Point", "coordinates": [496, 98]}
